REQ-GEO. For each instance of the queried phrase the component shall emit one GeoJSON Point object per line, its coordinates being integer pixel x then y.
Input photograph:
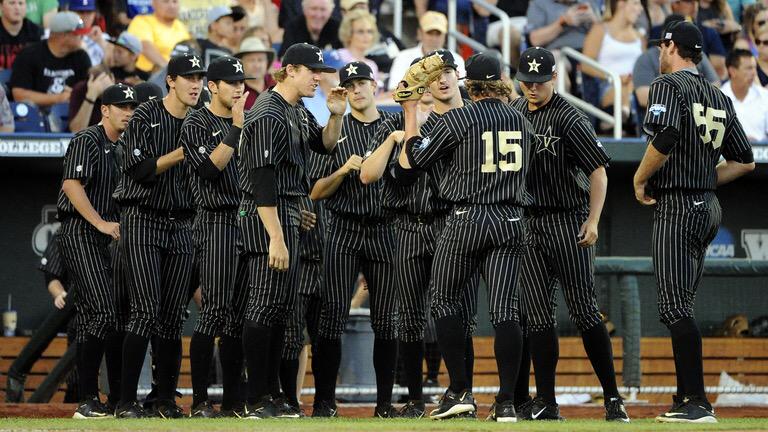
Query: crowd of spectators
{"type": "Point", "coordinates": [68, 51]}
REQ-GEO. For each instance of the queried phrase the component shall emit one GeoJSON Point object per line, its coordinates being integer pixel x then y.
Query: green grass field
{"type": "Point", "coordinates": [367, 425]}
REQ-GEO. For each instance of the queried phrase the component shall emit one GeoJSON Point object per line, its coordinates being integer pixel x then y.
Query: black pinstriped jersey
{"type": "Point", "coordinates": [201, 133]}
{"type": "Point", "coordinates": [52, 263]}
{"type": "Point", "coordinates": [153, 132]}
{"type": "Point", "coordinates": [274, 135]}
{"type": "Point", "coordinates": [90, 158]}
{"type": "Point", "coordinates": [311, 242]}
{"type": "Point", "coordinates": [565, 151]}
{"type": "Point", "coordinates": [352, 196]}
{"type": "Point", "coordinates": [707, 124]}
{"type": "Point", "coordinates": [489, 146]}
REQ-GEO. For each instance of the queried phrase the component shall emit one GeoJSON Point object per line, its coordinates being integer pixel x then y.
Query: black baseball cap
{"type": "Point", "coordinates": [536, 65]}
{"type": "Point", "coordinates": [483, 67]}
{"type": "Point", "coordinates": [226, 68]}
{"type": "Point", "coordinates": [682, 33]}
{"type": "Point", "coordinates": [186, 64]}
{"type": "Point", "coordinates": [147, 91]}
{"type": "Point", "coordinates": [119, 94]}
{"type": "Point", "coordinates": [306, 55]}
{"type": "Point", "coordinates": [447, 57]}
{"type": "Point", "coordinates": [355, 70]}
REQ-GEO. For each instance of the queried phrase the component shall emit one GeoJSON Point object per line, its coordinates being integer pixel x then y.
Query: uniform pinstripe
{"type": "Point", "coordinates": [688, 213]}
{"type": "Point", "coordinates": [566, 152]}
{"type": "Point", "coordinates": [359, 239]}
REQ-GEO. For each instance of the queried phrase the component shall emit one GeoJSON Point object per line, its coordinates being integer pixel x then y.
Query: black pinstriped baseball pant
{"type": "Point", "coordinates": [306, 314]}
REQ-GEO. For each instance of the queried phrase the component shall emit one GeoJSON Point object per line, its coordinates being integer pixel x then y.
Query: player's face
{"type": "Point", "coordinates": [227, 92]}
{"type": "Point", "coordinates": [445, 87]}
{"type": "Point", "coordinates": [118, 115]}
{"type": "Point", "coordinates": [360, 93]}
{"type": "Point", "coordinates": [255, 64]}
{"type": "Point", "coordinates": [306, 80]}
{"type": "Point", "coordinates": [538, 93]}
{"type": "Point", "coordinates": [14, 10]}
{"type": "Point", "coordinates": [188, 88]}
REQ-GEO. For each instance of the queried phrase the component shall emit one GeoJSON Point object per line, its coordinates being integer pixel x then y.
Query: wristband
{"type": "Point", "coordinates": [92, 102]}
{"type": "Point", "coordinates": [233, 137]}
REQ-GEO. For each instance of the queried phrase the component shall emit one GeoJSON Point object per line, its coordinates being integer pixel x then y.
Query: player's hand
{"type": "Point", "coordinates": [278, 255]}
{"type": "Point", "coordinates": [641, 196]}
{"type": "Point", "coordinates": [588, 233]}
{"type": "Point", "coordinates": [308, 220]}
{"type": "Point", "coordinates": [59, 301]}
{"type": "Point", "coordinates": [337, 101]}
{"type": "Point", "coordinates": [238, 111]}
{"type": "Point", "coordinates": [353, 164]}
{"type": "Point", "coordinates": [111, 229]}
{"type": "Point", "coordinates": [397, 136]}
{"type": "Point", "coordinates": [422, 114]}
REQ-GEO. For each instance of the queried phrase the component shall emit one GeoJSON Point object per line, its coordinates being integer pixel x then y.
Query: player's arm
{"type": "Point", "coordinates": [737, 152]}
{"type": "Point", "coordinates": [327, 186]}
{"type": "Point", "coordinates": [222, 154]}
{"type": "Point", "coordinates": [419, 152]}
{"type": "Point", "coordinates": [598, 187]}
{"type": "Point", "coordinates": [374, 165]}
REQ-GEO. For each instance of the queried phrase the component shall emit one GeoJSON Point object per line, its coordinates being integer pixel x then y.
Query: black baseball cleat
{"type": "Point", "coordinates": [691, 410]}
{"type": "Point", "coordinates": [541, 410]}
{"type": "Point", "coordinates": [131, 410]}
{"type": "Point", "coordinates": [615, 411]}
{"type": "Point", "coordinates": [503, 412]}
{"type": "Point", "coordinates": [412, 410]}
{"type": "Point", "coordinates": [384, 411]}
{"type": "Point", "coordinates": [453, 404]}
{"type": "Point", "coordinates": [287, 409]}
{"type": "Point", "coordinates": [91, 409]}
{"type": "Point", "coordinates": [265, 408]}
{"type": "Point", "coordinates": [14, 387]}
{"type": "Point", "coordinates": [167, 409]}
{"type": "Point", "coordinates": [204, 409]}
{"type": "Point", "coordinates": [237, 412]}
{"type": "Point", "coordinates": [324, 409]}
{"type": "Point", "coordinates": [523, 409]}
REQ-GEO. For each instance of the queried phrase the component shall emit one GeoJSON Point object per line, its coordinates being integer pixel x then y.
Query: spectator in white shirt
{"type": "Point", "coordinates": [433, 27]}
{"type": "Point", "coordinates": [749, 99]}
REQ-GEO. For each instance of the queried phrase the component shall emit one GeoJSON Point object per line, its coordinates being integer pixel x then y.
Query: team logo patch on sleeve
{"type": "Point", "coordinates": [657, 109]}
{"type": "Point", "coordinates": [424, 143]}
{"type": "Point", "coordinates": [201, 149]}
{"type": "Point", "coordinates": [136, 152]}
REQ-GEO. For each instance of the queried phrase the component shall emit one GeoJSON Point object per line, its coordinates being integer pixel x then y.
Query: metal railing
{"type": "Point", "coordinates": [613, 78]}
{"type": "Point", "coordinates": [453, 35]}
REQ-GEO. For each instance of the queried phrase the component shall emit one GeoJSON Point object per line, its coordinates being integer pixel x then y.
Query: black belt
{"type": "Point", "coordinates": [362, 219]}
{"type": "Point", "coordinates": [172, 214]}
{"type": "Point", "coordinates": [223, 209]}
{"type": "Point", "coordinates": [543, 211]}
{"type": "Point", "coordinates": [424, 218]}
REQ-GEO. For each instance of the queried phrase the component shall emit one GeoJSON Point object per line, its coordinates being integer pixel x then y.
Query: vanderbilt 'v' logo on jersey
{"type": "Point", "coordinates": [547, 141]}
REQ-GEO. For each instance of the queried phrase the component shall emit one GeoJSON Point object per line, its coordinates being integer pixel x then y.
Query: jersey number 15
{"type": "Point", "coordinates": [506, 146]}
{"type": "Point", "coordinates": [708, 116]}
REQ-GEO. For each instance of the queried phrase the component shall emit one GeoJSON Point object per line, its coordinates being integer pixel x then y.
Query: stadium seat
{"type": "Point", "coordinates": [28, 117]}
{"type": "Point", "coordinates": [59, 118]}
{"type": "Point", "coordinates": [5, 77]}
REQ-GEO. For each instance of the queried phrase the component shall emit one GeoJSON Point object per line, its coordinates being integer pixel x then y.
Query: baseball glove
{"type": "Point", "coordinates": [418, 77]}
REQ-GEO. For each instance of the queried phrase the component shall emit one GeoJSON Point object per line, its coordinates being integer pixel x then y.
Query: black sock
{"type": "Point", "coordinates": [113, 353]}
{"type": "Point", "coordinates": [412, 354]}
{"type": "Point", "coordinates": [289, 372]}
{"type": "Point", "coordinates": [168, 365]}
{"type": "Point", "coordinates": [469, 361]}
{"type": "Point", "coordinates": [686, 342]}
{"type": "Point", "coordinates": [384, 362]}
{"type": "Point", "coordinates": [328, 352]}
{"type": "Point", "coordinates": [200, 357]}
{"type": "Point", "coordinates": [507, 346]}
{"type": "Point", "coordinates": [597, 344]}
{"type": "Point", "coordinates": [134, 351]}
{"type": "Point", "coordinates": [432, 357]}
{"type": "Point", "coordinates": [275, 356]}
{"type": "Point", "coordinates": [678, 372]}
{"type": "Point", "coordinates": [256, 339]}
{"type": "Point", "coordinates": [231, 357]}
{"type": "Point", "coordinates": [89, 354]}
{"type": "Point", "coordinates": [544, 353]}
{"type": "Point", "coordinates": [523, 375]}
{"type": "Point", "coordinates": [452, 341]}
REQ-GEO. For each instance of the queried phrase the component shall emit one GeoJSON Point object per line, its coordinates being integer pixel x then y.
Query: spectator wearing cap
{"type": "Point", "coordinates": [358, 32]}
{"type": "Point", "coordinates": [554, 24]}
{"type": "Point", "coordinates": [159, 33]}
{"type": "Point", "coordinates": [126, 10]}
{"type": "Point", "coordinates": [750, 100]}
{"type": "Point", "coordinates": [262, 13]}
{"type": "Point", "coordinates": [256, 58]}
{"type": "Point", "coordinates": [93, 42]}
{"type": "Point", "coordinates": [433, 27]}
{"type": "Point", "coordinates": [44, 72]}
{"type": "Point", "coordinates": [121, 59]}
{"type": "Point", "coordinates": [16, 32]}
{"type": "Point", "coordinates": [315, 26]}
{"type": "Point", "coordinates": [189, 46]}
{"type": "Point", "coordinates": [471, 19]}
{"type": "Point", "coordinates": [40, 12]}
{"type": "Point", "coordinates": [220, 28]}
{"type": "Point", "coordinates": [646, 70]}
{"type": "Point", "coordinates": [386, 48]}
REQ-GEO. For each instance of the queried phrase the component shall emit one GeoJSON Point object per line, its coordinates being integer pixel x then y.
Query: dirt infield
{"type": "Point", "coordinates": [364, 411]}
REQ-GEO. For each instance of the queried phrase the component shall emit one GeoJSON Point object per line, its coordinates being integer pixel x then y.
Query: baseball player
{"type": "Point", "coordinates": [567, 183]}
{"type": "Point", "coordinates": [89, 216]}
{"type": "Point", "coordinates": [412, 195]}
{"type": "Point", "coordinates": [691, 125]}
{"type": "Point", "coordinates": [210, 137]}
{"type": "Point", "coordinates": [488, 144]}
{"type": "Point", "coordinates": [273, 180]}
{"type": "Point", "coordinates": [156, 236]}
{"type": "Point", "coordinates": [359, 239]}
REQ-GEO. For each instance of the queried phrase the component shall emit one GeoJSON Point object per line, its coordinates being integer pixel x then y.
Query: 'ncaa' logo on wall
{"type": "Point", "coordinates": [45, 229]}
{"type": "Point", "coordinates": [755, 243]}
